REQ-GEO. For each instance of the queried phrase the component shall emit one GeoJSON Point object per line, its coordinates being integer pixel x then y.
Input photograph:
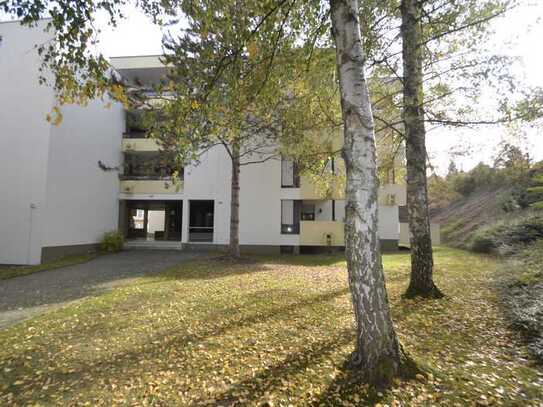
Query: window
{"type": "Point", "coordinates": [289, 174]}
{"type": "Point", "coordinates": [290, 217]}
{"type": "Point", "coordinates": [201, 221]}
{"type": "Point", "coordinates": [308, 212]}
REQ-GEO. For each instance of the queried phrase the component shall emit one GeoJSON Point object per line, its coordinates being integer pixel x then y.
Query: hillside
{"type": "Point", "coordinates": [461, 218]}
{"type": "Point", "coordinates": [497, 220]}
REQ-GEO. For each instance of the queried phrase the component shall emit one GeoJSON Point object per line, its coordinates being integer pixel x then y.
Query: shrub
{"type": "Point", "coordinates": [112, 242]}
{"type": "Point", "coordinates": [523, 294]}
{"type": "Point", "coordinates": [464, 184]}
{"type": "Point", "coordinates": [507, 237]}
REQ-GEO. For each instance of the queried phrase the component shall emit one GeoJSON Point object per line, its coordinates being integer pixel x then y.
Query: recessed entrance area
{"type": "Point", "coordinates": [201, 217]}
{"type": "Point", "coordinates": [152, 220]}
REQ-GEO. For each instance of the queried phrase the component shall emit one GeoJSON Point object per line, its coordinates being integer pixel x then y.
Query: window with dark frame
{"type": "Point", "coordinates": [290, 216]}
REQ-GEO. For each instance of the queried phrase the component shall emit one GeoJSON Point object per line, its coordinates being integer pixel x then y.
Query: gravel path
{"type": "Point", "coordinates": [26, 296]}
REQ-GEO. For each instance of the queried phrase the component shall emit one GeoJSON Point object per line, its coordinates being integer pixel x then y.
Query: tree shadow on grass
{"type": "Point", "coordinates": [272, 378]}
{"type": "Point", "coordinates": [127, 363]}
{"type": "Point", "coordinates": [348, 386]}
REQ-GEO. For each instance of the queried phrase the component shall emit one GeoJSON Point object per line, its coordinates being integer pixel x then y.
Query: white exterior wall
{"type": "Point", "coordinates": [210, 180]}
{"type": "Point", "coordinates": [405, 235]}
{"type": "Point", "coordinates": [52, 192]}
{"type": "Point", "coordinates": [388, 223]}
{"type": "Point", "coordinates": [260, 201]}
{"type": "Point", "coordinates": [24, 145]}
{"type": "Point", "coordinates": [81, 199]}
{"type": "Point", "coordinates": [260, 205]}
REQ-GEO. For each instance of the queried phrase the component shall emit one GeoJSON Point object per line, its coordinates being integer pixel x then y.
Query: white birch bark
{"type": "Point", "coordinates": [377, 352]}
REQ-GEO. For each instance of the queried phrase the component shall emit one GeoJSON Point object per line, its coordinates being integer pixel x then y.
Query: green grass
{"type": "Point", "coordinates": [271, 331]}
{"type": "Point", "coordinates": [16, 271]}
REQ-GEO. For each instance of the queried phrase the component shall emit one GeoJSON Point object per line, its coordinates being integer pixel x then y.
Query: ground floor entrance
{"type": "Point", "coordinates": [201, 225]}
{"type": "Point", "coordinates": [151, 220]}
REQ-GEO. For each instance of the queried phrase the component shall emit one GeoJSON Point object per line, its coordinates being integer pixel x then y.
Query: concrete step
{"type": "Point", "coordinates": [152, 245]}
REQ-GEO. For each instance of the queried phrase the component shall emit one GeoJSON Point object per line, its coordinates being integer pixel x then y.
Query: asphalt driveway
{"type": "Point", "coordinates": [26, 296]}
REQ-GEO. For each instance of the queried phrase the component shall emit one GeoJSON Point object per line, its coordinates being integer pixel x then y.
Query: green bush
{"type": "Point", "coordinates": [135, 121]}
{"type": "Point", "coordinates": [506, 237]}
{"type": "Point", "coordinates": [112, 242]}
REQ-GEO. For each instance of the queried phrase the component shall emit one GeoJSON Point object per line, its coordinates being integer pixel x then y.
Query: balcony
{"type": "Point", "coordinates": [139, 145]}
{"type": "Point", "coordinates": [321, 233]}
{"type": "Point", "coordinates": [151, 186]}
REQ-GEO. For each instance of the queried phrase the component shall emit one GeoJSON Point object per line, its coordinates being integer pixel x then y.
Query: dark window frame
{"type": "Point", "coordinates": [293, 229]}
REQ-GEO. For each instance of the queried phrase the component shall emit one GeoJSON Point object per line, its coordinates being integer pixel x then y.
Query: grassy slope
{"type": "Point", "coordinates": [212, 333]}
{"type": "Point", "coordinates": [16, 271]}
{"type": "Point", "coordinates": [462, 217]}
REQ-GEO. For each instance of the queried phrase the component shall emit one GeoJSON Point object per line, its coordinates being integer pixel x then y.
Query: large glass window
{"type": "Point", "coordinates": [154, 220]}
{"type": "Point", "coordinates": [201, 221]}
{"type": "Point", "coordinates": [290, 216]}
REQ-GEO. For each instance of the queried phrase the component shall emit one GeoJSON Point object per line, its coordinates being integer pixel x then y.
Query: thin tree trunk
{"type": "Point", "coordinates": [233, 248]}
{"type": "Point", "coordinates": [422, 263]}
{"type": "Point", "coordinates": [377, 353]}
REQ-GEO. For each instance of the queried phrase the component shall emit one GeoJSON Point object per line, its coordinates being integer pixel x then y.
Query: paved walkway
{"type": "Point", "coordinates": [26, 296]}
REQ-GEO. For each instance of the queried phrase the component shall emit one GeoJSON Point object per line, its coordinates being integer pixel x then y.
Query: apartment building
{"type": "Point", "coordinates": [279, 210]}
{"type": "Point", "coordinates": [62, 187]}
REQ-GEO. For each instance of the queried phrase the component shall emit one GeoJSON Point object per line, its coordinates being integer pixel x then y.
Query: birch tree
{"type": "Point", "coordinates": [422, 264]}
{"type": "Point", "coordinates": [377, 351]}
{"type": "Point", "coordinates": [221, 91]}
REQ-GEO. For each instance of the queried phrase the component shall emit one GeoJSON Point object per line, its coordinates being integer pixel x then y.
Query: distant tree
{"type": "Point", "coordinates": [443, 40]}
{"type": "Point", "coordinates": [440, 192]}
{"type": "Point", "coordinates": [452, 169]}
{"type": "Point", "coordinates": [513, 161]}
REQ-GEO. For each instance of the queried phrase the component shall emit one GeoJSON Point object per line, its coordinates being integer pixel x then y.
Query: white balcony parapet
{"type": "Point", "coordinates": [321, 233]}
{"type": "Point", "coordinates": [151, 187]}
{"type": "Point", "coordinates": [139, 145]}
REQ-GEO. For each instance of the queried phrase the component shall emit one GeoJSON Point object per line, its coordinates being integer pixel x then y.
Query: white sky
{"type": "Point", "coordinates": [519, 34]}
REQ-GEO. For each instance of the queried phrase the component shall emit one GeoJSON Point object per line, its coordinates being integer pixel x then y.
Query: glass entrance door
{"type": "Point", "coordinates": [154, 220]}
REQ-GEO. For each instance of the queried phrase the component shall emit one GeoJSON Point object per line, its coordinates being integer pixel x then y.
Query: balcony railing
{"type": "Point", "coordinates": [139, 145]}
{"type": "Point", "coordinates": [150, 186]}
{"type": "Point", "coordinates": [321, 233]}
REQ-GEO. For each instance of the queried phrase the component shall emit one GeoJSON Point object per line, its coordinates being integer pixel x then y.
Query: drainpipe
{"type": "Point", "coordinates": [29, 244]}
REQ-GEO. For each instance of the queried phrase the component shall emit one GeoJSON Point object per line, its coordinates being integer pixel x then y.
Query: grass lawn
{"type": "Point", "coordinates": [16, 271]}
{"type": "Point", "coordinates": [274, 332]}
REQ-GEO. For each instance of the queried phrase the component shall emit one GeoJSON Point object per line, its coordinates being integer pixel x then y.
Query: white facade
{"type": "Point", "coordinates": [55, 196]}
{"type": "Point", "coordinates": [260, 202]}
{"type": "Point", "coordinates": [261, 192]}
{"type": "Point", "coordinates": [52, 191]}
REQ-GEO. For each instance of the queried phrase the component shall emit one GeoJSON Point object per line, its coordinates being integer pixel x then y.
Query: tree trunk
{"type": "Point", "coordinates": [422, 263]}
{"type": "Point", "coordinates": [233, 248]}
{"type": "Point", "coordinates": [377, 354]}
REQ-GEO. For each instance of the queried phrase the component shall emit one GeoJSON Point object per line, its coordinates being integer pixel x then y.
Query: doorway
{"type": "Point", "coordinates": [201, 221]}
{"type": "Point", "coordinates": [154, 220]}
